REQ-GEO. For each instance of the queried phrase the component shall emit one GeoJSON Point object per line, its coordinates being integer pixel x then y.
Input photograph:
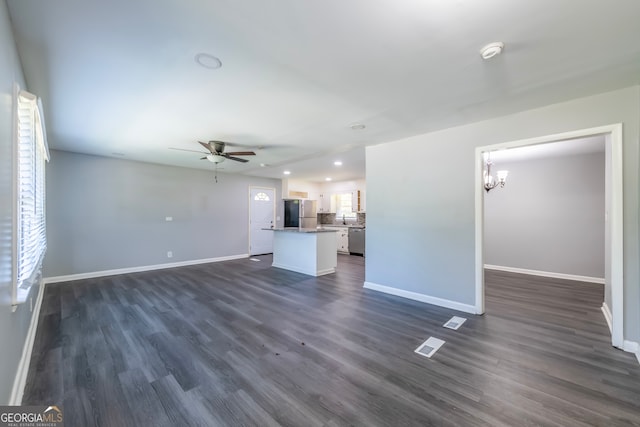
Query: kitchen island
{"type": "Point", "coordinates": [310, 251]}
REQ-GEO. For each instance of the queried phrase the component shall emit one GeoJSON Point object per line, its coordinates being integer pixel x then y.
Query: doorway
{"type": "Point", "coordinates": [262, 211]}
{"type": "Point", "coordinates": [613, 223]}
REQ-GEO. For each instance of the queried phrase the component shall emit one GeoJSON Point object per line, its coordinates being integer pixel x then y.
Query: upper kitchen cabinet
{"type": "Point", "coordinates": [314, 195]}
{"type": "Point", "coordinates": [324, 203]}
{"type": "Point", "coordinates": [363, 200]}
{"type": "Point", "coordinates": [357, 200]}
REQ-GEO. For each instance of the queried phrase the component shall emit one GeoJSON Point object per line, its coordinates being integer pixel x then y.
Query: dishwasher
{"type": "Point", "coordinates": [356, 241]}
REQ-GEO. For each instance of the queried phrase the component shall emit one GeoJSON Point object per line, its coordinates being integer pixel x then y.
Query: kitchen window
{"type": "Point", "coordinates": [343, 203]}
{"type": "Point", "coordinates": [30, 155]}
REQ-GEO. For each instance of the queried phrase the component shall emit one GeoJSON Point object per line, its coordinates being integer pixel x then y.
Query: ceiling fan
{"type": "Point", "coordinates": [217, 154]}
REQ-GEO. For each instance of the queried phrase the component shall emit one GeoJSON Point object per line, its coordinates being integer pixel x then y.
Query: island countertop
{"type": "Point", "coordinates": [303, 230]}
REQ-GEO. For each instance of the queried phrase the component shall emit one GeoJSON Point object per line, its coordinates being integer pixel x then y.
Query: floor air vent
{"type": "Point", "coordinates": [429, 347]}
{"type": "Point", "coordinates": [455, 322]}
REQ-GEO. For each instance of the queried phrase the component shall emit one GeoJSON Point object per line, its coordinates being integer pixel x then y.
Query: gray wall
{"type": "Point", "coordinates": [13, 326]}
{"type": "Point", "coordinates": [420, 207]}
{"type": "Point", "coordinates": [549, 216]}
{"type": "Point", "coordinates": [105, 213]}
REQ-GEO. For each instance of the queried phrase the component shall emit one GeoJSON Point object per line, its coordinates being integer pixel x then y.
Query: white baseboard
{"type": "Point", "coordinates": [304, 271]}
{"type": "Point", "coordinates": [20, 380]}
{"type": "Point", "coordinates": [575, 277]}
{"type": "Point", "coordinates": [467, 308]}
{"type": "Point", "coordinates": [607, 315]}
{"type": "Point", "coordinates": [632, 347]}
{"type": "Point", "coordinates": [104, 273]}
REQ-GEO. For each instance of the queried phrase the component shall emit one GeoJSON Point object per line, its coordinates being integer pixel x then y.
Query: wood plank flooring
{"type": "Point", "coordinates": [241, 343]}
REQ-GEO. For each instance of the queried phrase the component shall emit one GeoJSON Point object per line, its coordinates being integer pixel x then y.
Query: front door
{"type": "Point", "coordinates": [262, 215]}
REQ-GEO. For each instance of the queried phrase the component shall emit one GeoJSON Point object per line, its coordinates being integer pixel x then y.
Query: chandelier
{"type": "Point", "coordinates": [489, 181]}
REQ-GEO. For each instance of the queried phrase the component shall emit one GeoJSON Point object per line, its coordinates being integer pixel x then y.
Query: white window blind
{"type": "Point", "coordinates": [30, 228]}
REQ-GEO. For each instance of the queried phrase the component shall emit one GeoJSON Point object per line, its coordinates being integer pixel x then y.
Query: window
{"type": "Point", "coordinates": [343, 203]}
{"type": "Point", "coordinates": [31, 153]}
{"type": "Point", "coordinates": [261, 197]}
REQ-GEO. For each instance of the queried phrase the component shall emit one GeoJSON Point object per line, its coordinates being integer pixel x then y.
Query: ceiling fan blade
{"type": "Point", "coordinates": [237, 159]}
{"type": "Point", "coordinates": [183, 149]}
{"type": "Point", "coordinates": [206, 145]}
{"type": "Point", "coordinates": [241, 153]}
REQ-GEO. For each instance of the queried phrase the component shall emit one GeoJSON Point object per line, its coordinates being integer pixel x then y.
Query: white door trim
{"type": "Point", "coordinates": [258, 187]}
{"type": "Point", "coordinates": [615, 217]}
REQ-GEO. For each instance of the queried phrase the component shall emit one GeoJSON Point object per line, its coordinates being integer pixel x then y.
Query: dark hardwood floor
{"type": "Point", "coordinates": [241, 343]}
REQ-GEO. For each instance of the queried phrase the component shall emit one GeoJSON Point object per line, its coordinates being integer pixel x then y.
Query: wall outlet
{"type": "Point", "coordinates": [277, 218]}
{"type": "Point", "coordinates": [169, 254]}
{"type": "Point", "coordinates": [168, 218]}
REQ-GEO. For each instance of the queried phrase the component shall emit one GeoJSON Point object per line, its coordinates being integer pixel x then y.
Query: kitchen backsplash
{"type": "Point", "coordinates": [330, 218]}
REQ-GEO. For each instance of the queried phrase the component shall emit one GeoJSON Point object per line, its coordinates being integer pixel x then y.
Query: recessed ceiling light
{"type": "Point", "coordinates": [491, 50]}
{"type": "Point", "coordinates": [263, 165]}
{"type": "Point", "coordinates": [287, 172]}
{"type": "Point", "coordinates": [207, 60]}
{"type": "Point", "coordinates": [327, 179]}
{"type": "Point", "coordinates": [337, 163]}
{"type": "Point", "coordinates": [357, 126]}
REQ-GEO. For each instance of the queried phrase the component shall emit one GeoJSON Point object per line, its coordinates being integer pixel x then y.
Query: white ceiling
{"type": "Point", "coordinates": [119, 76]}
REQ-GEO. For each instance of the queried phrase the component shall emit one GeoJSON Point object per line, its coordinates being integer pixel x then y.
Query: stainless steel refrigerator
{"type": "Point", "coordinates": [300, 213]}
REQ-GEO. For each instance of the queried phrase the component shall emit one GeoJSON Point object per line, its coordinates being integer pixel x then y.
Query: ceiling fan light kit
{"type": "Point", "coordinates": [214, 158]}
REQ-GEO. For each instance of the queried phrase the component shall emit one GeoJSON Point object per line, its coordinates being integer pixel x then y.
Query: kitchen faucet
{"type": "Point", "coordinates": [344, 220]}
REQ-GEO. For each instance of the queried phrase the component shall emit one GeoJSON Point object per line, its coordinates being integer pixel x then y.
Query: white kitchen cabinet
{"type": "Point", "coordinates": [355, 201]}
{"type": "Point", "coordinates": [315, 195]}
{"type": "Point", "coordinates": [343, 240]}
{"type": "Point", "coordinates": [324, 203]}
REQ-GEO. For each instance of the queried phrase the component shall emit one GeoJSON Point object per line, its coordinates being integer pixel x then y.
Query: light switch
{"type": "Point", "coordinates": [168, 218]}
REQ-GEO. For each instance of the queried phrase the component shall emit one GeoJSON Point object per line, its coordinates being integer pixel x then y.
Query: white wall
{"type": "Point", "coordinates": [420, 209]}
{"type": "Point", "coordinates": [339, 186]}
{"type": "Point", "coordinates": [549, 216]}
{"type": "Point", "coordinates": [312, 188]}
{"type": "Point", "coordinates": [105, 214]}
{"type": "Point", "coordinates": [13, 326]}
